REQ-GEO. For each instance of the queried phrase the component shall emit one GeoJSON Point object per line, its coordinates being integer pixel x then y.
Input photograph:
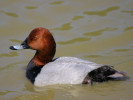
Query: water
{"type": "Point", "coordinates": [99, 31]}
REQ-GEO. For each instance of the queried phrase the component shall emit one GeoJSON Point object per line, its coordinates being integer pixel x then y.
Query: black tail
{"type": "Point", "coordinates": [104, 73]}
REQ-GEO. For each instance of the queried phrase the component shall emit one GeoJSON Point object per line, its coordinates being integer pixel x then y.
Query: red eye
{"type": "Point", "coordinates": [33, 38]}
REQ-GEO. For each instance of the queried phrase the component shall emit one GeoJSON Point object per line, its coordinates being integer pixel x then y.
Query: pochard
{"type": "Point", "coordinates": [43, 70]}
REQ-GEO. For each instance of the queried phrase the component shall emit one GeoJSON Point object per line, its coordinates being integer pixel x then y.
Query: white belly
{"type": "Point", "coordinates": [65, 70]}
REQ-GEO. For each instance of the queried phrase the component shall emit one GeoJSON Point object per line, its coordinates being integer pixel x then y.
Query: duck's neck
{"type": "Point", "coordinates": [41, 58]}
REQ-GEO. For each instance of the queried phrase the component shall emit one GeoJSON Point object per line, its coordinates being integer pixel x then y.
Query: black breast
{"type": "Point", "coordinates": [33, 72]}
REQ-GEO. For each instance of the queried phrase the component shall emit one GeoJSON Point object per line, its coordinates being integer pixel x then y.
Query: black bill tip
{"type": "Point", "coordinates": [12, 48]}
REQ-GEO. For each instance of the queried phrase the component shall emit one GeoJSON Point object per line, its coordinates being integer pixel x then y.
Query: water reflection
{"type": "Point", "coordinates": [31, 7]}
{"type": "Point", "coordinates": [2, 93]}
{"type": "Point", "coordinates": [77, 18]}
{"type": "Point", "coordinates": [103, 12]}
{"type": "Point", "coordinates": [64, 27]}
{"type": "Point", "coordinates": [121, 50]}
{"type": "Point", "coordinates": [130, 12]}
{"type": "Point", "coordinates": [35, 96]}
{"type": "Point", "coordinates": [99, 32]}
{"type": "Point", "coordinates": [76, 91]}
{"type": "Point", "coordinates": [12, 65]}
{"type": "Point", "coordinates": [93, 56]}
{"type": "Point", "coordinates": [11, 54]}
{"type": "Point", "coordinates": [79, 39]}
{"type": "Point", "coordinates": [10, 14]}
{"type": "Point", "coordinates": [128, 28]}
{"type": "Point", "coordinates": [57, 2]}
{"type": "Point", "coordinates": [15, 40]}
{"type": "Point", "coordinates": [37, 93]}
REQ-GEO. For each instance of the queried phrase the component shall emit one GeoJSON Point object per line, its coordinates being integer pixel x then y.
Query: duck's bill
{"type": "Point", "coordinates": [16, 47]}
{"type": "Point", "coordinates": [19, 47]}
{"type": "Point", "coordinates": [24, 45]}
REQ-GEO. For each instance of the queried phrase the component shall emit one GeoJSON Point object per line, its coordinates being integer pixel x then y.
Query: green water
{"type": "Point", "coordinates": [97, 30]}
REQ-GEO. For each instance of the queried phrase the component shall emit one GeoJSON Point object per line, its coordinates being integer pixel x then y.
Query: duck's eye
{"type": "Point", "coordinates": [33, 38]}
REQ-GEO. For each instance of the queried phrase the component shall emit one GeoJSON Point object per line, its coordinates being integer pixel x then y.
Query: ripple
{"type": "Point", "coordinates": [56, 2]}
{"type": "Point", "coordinates": [128, 28]}
{"type": "Point", "coordinates": [77, 18]}
{"type": "Point", "coordinates": [11, 54]}
{"type": "Point", "coordinates": [130, 12]}
{"type": "Point", "coordinates": [31, 7]}
{"type": "Point", "coordinates": [103, 12]}
{"type": "Point", "coordinates": [93, 56]}
{"type": "Point", "coordinates": [6, 92]}
{"type": "Point", "coordinates": [11, 14]}
{"type": "Point", "coordinates": [12, 65]}
{"type": "Point", "coordinates": [66, 26]}
{"type": "Point", "coordinates": [99, 32]}
{"type": "Point", "coordinates": [14, 40]}
{"type": "Point", "coordinates": [80, 39]}
{"type": "Point", "coordinates": [121, 50]}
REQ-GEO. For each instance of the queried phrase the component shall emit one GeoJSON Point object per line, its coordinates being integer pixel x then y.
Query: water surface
{"type": "Point", "coordinates": [95, 30]}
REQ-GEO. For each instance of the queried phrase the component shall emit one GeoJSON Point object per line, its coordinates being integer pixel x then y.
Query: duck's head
{"type": "Point", "coordinates": [39, 39]}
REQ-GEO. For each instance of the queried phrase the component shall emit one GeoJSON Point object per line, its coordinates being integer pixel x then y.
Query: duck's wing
{"type": "Point", "coordinates": [65, 70]}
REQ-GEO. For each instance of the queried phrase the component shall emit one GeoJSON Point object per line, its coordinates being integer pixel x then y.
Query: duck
{"type": "Point", "coordinates": [43, 69]}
